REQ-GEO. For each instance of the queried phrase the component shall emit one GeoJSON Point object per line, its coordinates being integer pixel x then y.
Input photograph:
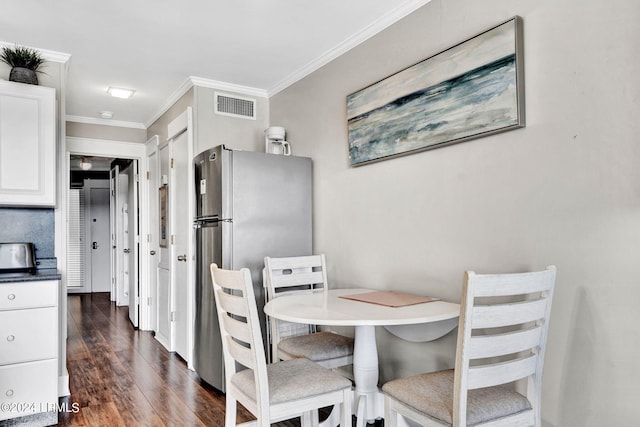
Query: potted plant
{"type": "Point", "coordinates": [24, 63]}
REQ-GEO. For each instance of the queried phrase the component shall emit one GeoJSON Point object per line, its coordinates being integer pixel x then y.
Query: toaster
{"type": "Point", "coordinates": [17, 257]}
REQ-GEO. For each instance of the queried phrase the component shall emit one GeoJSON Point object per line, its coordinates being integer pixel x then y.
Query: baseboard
{"type": "Point", "coordinates": [63, 386]}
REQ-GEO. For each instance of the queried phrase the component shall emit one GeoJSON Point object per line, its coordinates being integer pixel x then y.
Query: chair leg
{"type": "Point", "coordinates": [347, 409]}
{"type": "Point", "coordinates": [230, 412]}
{"type": "Point", "coordinates": [390, 415]}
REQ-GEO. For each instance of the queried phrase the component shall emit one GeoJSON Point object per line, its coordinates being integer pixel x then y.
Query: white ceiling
{"type": "Point", "coordinates": [155, 46]}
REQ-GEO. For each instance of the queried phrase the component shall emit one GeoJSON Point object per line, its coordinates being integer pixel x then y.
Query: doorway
{"type": "Point", "coordinates": [103, 229]}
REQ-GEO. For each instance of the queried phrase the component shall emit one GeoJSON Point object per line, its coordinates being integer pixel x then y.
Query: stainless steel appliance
{"type": "Point", "coordinates": [249, 205]}
{"type": "Point", "coordinates": [17, 258]}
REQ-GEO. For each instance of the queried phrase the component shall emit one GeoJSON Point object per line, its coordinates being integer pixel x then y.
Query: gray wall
{"type": "Point", "coordinates": [213, 129]}
{"type": "Point", "coordinates": [565, 190]}
{"type": "Point", "coordinates": [110, 133]}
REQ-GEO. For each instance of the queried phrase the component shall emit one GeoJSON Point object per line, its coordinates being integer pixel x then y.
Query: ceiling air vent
{"type": "Point", "coordinates": [235, 106]}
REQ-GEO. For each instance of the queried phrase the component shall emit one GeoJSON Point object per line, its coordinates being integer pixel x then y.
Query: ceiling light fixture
{"type": "Point", "coordinates": [118, 92]}
{"type": "Point", "coordinates": [85, 165]}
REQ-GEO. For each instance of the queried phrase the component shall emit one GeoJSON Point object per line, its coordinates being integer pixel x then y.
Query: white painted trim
{"type": "Point", "coordinates": [104, 122]}
{"type": "Point", "coordinates": [214, 84]}
{"type": "Point", "coordinates": [191, 315]}
{"type": "Point", "coordinates": [371, 30]}
{"type": "Point", "coordinates": [48, 55]}
{"type": "Point", "coordinates": [105, 148]}
{"type": "Point", "coordinates": [179, 124]}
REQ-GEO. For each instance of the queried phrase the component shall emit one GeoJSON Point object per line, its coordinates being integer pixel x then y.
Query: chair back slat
{"type": "Point", "coordinates": [286, 263]}
{"type": "Point", "coordinates": [496, 315]}
{"type": "Point", "coordinates": [237, 329]}
{"type": "Point", "coordinates": [241, 354]}
{"type": "Point", "coordinates": [490, 285]}
{"type": "Point", "coordinates": [501, 373]}
{"type": "Point", "coordinates": [297, 279]}
{"type": "Point", "coordinates": [232, 304]}
{"type": "Point", "coordinates": [484, 346]}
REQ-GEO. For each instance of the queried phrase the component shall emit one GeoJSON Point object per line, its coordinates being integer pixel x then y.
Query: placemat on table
{"type": "Point", "coordinates": [389, 298]}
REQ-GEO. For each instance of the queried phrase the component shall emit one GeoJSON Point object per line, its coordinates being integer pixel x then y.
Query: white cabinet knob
{"type": "Point", "coordinates": [11, 338]}
{"type": "Point", "coordinates": [11, 297]}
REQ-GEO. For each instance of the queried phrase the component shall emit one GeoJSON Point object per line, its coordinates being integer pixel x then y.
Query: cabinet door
{"type": "Point", "coordinates": [28, 388]}
{"type": "Point", "coordinates": [27, 145]}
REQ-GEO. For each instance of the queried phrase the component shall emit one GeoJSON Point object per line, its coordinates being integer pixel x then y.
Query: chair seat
{"type": "Point", "coordinates": [432, 395]}
{"type": "Point", "coordinates": [291, 380]}
{"type": "Point", "coordinates": [316, 347]}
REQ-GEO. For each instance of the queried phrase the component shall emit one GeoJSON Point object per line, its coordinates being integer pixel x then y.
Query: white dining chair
{"type": "Point", "coordinates": [502, 336]}
{"type": "Point", "coordinates": [290, 340]}
{"type": "Point", "coordinates": [276, 391]}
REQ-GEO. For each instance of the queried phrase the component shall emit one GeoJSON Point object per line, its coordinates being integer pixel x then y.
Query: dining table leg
{"type": "Point", "coordinates": [369, 400]}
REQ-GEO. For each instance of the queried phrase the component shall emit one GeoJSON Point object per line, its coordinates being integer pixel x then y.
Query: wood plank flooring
{"type": "Point", "coordinates": [120, 376]}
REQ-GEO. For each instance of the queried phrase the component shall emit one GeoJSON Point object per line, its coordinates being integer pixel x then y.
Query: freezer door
{"type": "Point", "coordinates": [208, 359]}
{"type": "Point", "coordinates": [208, 182]}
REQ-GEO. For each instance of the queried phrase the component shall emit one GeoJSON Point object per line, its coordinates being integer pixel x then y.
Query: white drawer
{"type": "Point", "coordinates": [28, 388]}
{"type": "Point", "coordinates": [27, 335]}
{"type": "Point", "coordinates": [20, 295]}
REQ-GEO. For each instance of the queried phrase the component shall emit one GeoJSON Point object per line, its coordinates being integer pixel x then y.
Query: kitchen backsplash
{"type": "Point", "coordinates": [30, 225]}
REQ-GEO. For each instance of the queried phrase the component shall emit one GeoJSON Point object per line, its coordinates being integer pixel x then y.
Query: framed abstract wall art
{"type": "Point", "coordinates": [473, 89]}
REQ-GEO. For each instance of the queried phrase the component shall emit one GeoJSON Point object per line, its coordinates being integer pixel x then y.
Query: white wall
{"type": "Point", "coordinates": [565, 190]}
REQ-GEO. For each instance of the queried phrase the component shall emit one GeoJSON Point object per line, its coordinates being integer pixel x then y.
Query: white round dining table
{"type": "Point", "coordinates": [424, 322]}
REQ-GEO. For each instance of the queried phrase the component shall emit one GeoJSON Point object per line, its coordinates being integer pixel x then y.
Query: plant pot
{"type": "Point", "coordinates": [23, 75]}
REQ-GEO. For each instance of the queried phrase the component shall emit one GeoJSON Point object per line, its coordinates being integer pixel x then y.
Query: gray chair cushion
{"type": "Point", "coordinates": [317, 347]}
{"type": "Point", "coordinates": [432, 395]}
{"type": "Point", "coordinates": [292, 379]}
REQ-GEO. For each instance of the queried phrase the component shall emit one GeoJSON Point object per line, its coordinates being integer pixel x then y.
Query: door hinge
{"type": "Point", "coordinates": [149, 301]}
{"type": "Point", "coordinates": [137, 302]}
{"type": "Point", "coordinates": [148, 175]}
{"type": "Point", "coordinates": [173, 316]}
{"type": "Point", "coordinates": [172, 239]}
{"type": "Point", "coordinates": [172, 163]}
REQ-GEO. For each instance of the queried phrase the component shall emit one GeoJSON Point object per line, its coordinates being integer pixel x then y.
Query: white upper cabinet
{"type": "Point", "coordinates": [27, 145]}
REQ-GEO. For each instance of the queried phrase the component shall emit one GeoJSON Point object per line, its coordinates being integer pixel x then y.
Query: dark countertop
{"type": "Point", "coordinates": [43, 274]}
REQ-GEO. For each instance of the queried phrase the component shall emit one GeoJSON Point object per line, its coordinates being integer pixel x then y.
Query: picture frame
{"type": "Point", "coordinates": [163, 216]}
{"type": "Point", "coordinates": [470, 90]}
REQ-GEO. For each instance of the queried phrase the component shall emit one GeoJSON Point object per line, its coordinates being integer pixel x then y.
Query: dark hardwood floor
{"type": "Point", "coordinates": [120, 376]}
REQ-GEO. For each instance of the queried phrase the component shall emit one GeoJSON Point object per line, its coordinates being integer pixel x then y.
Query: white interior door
{"type": "Point", "coordinates": [122, 240]}
{"type": "Point", "coordinates": [164, 330]}
{"type": "Point", "coordinates": [181, 228]}
{"type": "Point", "coordinates": [99, 241]}
{"type": "Point", "coordinates": [133, 243]}
{"type": "Point", "coordinates": [114, 221]}
{"type": "Point", "coordinates": [152, 183]}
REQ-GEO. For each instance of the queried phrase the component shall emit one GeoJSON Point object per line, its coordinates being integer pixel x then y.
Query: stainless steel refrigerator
{"type": "Point", "coordinates": [249, 205]}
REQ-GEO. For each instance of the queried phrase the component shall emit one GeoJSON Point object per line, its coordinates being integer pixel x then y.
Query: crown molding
{"type": "Point", "coordinates": [48, 55]}
{"type": "Point", "coordinates": [104, 122]}
{"type": "Point", "coordinates": [371, 30]}
{"type": "Point", "coordinates": [230, 87]}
